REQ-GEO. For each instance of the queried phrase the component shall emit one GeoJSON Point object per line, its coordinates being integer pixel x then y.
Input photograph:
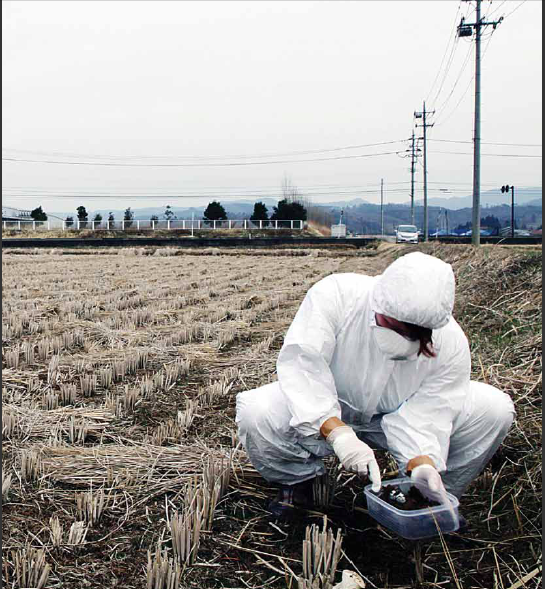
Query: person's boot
{"type": "Point", "coordinates": [290, 499]}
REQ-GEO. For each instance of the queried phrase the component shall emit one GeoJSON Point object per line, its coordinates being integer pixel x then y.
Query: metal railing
{"type": "Point", "coordinates": [14, 213]}
{"type": "Point", "coordinates": [153, 225]}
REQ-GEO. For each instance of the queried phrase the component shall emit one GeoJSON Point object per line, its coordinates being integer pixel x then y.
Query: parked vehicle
{"type": "Point", "coordinates": [406, 234]}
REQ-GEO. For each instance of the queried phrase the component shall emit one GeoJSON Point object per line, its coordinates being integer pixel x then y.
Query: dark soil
{"type": "Point", "coordinates": [410, 501]}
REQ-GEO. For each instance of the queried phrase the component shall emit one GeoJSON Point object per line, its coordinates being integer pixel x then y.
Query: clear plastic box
{"type": "Point", "coordinates": [416, 524]}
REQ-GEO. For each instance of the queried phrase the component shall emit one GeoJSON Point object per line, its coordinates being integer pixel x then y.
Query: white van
{"type": "Point", "coordinates": [406, 234]}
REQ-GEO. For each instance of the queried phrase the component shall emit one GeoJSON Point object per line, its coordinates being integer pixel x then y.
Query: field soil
{"type": "Point", "coordinates": [162, 233]}
{"type": "Point", "coordinates": [120, 372]}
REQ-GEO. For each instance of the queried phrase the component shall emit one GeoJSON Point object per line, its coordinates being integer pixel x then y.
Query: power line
{"type": "Point", "coordinates": [496, 9]}
{"type": "Point", "coordinates": [468, 86]}
{"type": "Point", "coordinates": [515, 155]}
{"type": "Point", "coordinates": [196, 157]}
{"type": "Point", "coordinates": [155, 196]}
{"type": "Point", "coordinates": [275, 186]}
{"type": "Point", "coordinates": [215, 189]}
{"type": "Point", "coordinates": [462, 70]}
{"type": "Point", "coordinates": [451, 37]}
{"type": "Point", "coordinates": [490, 143]}
{"type": "Point", "coordinates": [195, 165]}
{"type": "Point", "coordinates": [513, 11]}
{"type": "Point", "coordinates": [447, 70]}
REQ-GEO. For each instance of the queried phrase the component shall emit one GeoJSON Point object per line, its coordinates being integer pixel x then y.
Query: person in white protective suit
{"type": "Point", "coordinates": [375, 362]}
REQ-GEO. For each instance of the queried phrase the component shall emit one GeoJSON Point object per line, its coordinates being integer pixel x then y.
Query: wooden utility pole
{"type": "Point", "coordinates": [413, 170]}
{"type": "Point", "coordinates": [423, 115]}
{"type": "Point", "coordinates": [466, 30]}
{"type": "Point", "coordinates": [382, 207]}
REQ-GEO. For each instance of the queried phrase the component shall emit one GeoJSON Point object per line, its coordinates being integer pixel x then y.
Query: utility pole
{"type": "Point", "coordinates": [382, 207]}
{"type": "Point", "coordinates": [413, 170]}
{"type": "Point", "coordinates": [466, 30]}
{"type": "Point", "coordinates": [513, 212]}
{"type": "Point", "coordinates": [508, 188]}
{"type": "Point", "coordinates": [422, 115]}
{"type": "Point", "coordinates": [476, 225]}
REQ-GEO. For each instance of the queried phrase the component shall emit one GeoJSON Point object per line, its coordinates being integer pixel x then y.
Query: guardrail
{"type": "Point", "coordinates": [154, 225]}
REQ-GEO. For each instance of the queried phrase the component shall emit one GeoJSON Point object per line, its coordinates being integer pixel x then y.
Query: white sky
{"type": "Point", "coordinates": [126, 82]}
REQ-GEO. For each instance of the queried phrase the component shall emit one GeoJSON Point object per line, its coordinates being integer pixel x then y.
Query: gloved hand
{"type": "Point", "coordinates": [355, 455]}
{"type": "Point", "coordinates": [428, 481]}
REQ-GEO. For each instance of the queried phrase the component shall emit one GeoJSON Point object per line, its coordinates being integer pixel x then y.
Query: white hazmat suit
{"type": "Point", "coordinates": [332, 366]}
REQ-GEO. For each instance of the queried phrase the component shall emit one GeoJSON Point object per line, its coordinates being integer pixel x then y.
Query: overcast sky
{"type": "Point", "coordinates": [224, 99]}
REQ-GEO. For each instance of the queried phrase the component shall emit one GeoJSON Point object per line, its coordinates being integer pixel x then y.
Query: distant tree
{"type": "Point", "coordinates": [82, 214]}
{"type": "Point", "coordinates": [38, 214]}
{"type": "Point", "coordinates": [260, 213]}
{"type": "Point", "coordinates": [97, 219]}
{"type": "Point", "coordinates": [291, 193]}
{"type": "Point", "coordinates": [128, 217]}
{"type": "Point", "coordinates": [214, 212]}
{"type": "Point", "coordinates": [491, 221]}
{"type": "Point", "coordinates": [463, 227]}
{"type": "Point", "coordinates": [111, 220]}
{"type": "Point", "coordinates": [169, 213]}
{"type": "Point", "coordinates": [69, 221]}
{"type": "Point", "coordinates": [289, 211]}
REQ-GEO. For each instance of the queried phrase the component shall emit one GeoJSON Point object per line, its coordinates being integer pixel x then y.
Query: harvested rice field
{"type": "Point", "coordinates": [121, 465]}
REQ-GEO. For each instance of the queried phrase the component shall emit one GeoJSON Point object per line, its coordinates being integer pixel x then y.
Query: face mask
{"type": "Point", "coordinates": [393, 345]}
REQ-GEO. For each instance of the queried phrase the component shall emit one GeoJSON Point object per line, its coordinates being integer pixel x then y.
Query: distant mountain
{"type": "Point", "coordinates": [243, 208]}
{"type": "Point", "coordinates": [367, 219]}
{"type": "Point", "coordinates": [344, 203]}
{"type": "Point", "coordinates": [489, 198]}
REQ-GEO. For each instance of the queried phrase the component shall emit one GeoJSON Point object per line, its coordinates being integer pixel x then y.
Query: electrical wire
{"type": "Point", "coordinates": [218, 196]}
{"type": "Point", "coordinates": [462, 70]}
{"type": "Point", "coordinates": [204, 190]}
{"type": "Point", "coordinates": [451, 37]}
{"type": "Point", "coordinates": [194, 157]}
{"type": "Point", "coordinates": [489, 143]}
{"type": "Point", "coordinates": [513, 11]}
{"type": "Point", "coordinates": [445, 102]}
{"type": "Point", "coordinates": [496, 9]}
{"type": "Point", "coordinates": [447, 70]}
{"type": "Point", "coordinates": [514, 155]}
{"type": "Point", "coordinates": [466, 90]}
{"type": "Point", "coordinates": [196, 165]}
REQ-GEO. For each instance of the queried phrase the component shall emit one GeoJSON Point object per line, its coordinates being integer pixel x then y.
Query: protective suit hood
{"type": "Point", "coordinates": [416, 288]}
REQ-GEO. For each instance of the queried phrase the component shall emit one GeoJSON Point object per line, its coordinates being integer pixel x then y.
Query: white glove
{"type": "Point", "coordinates": [428, 481]}
{"type": "Point", "coordinates": [355, 455]}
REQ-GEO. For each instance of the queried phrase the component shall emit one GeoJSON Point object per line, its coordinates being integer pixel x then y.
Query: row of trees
{"type": "Point", "coordinates": [293, 207]}
{"type": "Point", "coordinates": [83, 217]}
{"type": "Point", "coordinates": [489, 222]}
{"type": "Point", "coordinates": [285, 211]}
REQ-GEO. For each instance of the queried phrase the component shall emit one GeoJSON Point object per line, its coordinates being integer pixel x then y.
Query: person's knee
{"type": "Point", "coordinates": [250, 411]}
{"type": "Point", "coordinates": [500, 409]}
{"type": "Point", "coordinates": [260, 409]}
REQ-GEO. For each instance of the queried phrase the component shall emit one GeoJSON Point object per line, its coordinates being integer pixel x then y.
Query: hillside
{"type": "Point", "coordinates": [366, 218]}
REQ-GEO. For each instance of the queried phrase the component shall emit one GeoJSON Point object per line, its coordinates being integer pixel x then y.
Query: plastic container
{"type": "Point", "coordinates": [416, 524]}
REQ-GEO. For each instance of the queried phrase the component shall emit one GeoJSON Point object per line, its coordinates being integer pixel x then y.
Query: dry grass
{"type": "Point", "coordinates": [120, 370]}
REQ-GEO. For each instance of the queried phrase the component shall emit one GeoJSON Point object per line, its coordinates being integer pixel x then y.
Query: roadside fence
{"type": "Point", "coordinates": [150, 225]}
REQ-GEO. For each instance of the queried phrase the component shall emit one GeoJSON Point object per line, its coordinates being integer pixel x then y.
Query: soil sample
{"type": "Point", "coordinates": [409, 501]}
